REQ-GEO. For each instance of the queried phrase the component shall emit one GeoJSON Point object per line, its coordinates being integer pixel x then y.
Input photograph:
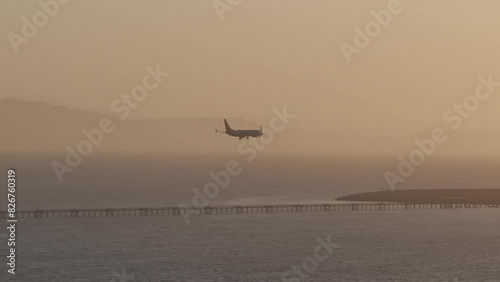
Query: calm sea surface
{"type": "Point", "coordinates": [426, 245]}
{"type": "Point", "coordinates": [457, 245]}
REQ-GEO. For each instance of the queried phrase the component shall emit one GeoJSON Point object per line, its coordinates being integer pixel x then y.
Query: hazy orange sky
{"type": "Point", "coordinates": [264, 54]}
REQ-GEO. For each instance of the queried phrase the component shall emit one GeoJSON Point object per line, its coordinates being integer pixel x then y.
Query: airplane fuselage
{"type": "Point", "coordinates": [241, 133]}
{"type": "Point", "coordinates": [244, 133]}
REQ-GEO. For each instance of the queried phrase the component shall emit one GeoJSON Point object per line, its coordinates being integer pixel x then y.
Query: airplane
{"type": "Point", "coordinates": [240, 133]}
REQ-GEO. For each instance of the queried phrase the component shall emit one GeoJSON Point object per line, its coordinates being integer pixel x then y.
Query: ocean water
{"type": "Point", "coordinates": [414, 245]}
{"type": "Point", "coordinates": [421, 245]}
{"type": "Point", "coordinates": [140, 181]}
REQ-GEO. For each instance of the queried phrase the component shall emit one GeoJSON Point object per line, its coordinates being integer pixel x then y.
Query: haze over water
{"type": "Point", "coordinates": [159, 181]}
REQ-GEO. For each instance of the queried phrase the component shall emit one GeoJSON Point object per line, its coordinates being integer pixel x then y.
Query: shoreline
{"type": "Point", "coordinates": [429, 196]}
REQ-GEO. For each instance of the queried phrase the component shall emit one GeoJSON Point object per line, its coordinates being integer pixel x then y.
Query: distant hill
{"type": "Point", "coordinates": [36, 126]}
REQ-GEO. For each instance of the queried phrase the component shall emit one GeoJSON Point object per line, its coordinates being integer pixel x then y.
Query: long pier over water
{"type": "Point", "coordinates": [224, 210]}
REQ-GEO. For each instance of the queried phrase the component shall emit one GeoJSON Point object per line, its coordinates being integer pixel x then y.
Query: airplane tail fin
{"type": "Point", "coordinates": [228, 128]}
